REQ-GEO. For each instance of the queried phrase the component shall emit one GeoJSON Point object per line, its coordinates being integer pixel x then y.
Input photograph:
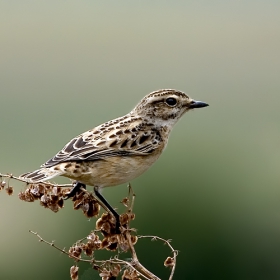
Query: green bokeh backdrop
{"type": "Point", "coordinates": [67, 66]}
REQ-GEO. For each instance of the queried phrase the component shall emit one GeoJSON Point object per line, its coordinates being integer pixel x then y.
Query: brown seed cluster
{"type": "Point", "coordinates": [106, 235]}
{"type": "Point", "coordinates": [111, 273]}
{"type": "Point", "coordinates": [108, 239]}
{"type": "Point", "coordinates": [107, 222]}
{"type": "Point", "coordinates": [87, 203]}
{"type": "Point", "coordinates": [169, 262]}
{"type": "Point", "coordinates": [2, 185]}
{"type": "Point", "coordinates": [107, 225]}
{"type": "Point", "coordinates": [125, 201]}
{"type": "Point", "coordinates": [52, 197]}
{"type": "Point", "coordinates": [9, 189]}
{"type": "Point", "coordinates": [130, 274]}
{"type": "Point", "coordinates": [93, 243]}
{"type": "Point", "coordinates": [74, 272]}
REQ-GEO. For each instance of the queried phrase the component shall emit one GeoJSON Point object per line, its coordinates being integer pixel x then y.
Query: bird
{"type": "Point", "coordinates": [121, 149]}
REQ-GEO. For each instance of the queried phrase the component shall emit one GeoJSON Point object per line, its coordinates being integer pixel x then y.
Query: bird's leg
{"type": "Point", "coordinates": [75, 190]}
{"type": "Point", "coordinates": [108, 208]}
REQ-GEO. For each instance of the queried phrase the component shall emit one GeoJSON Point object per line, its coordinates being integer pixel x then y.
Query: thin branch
{"type": "Point", "coordinates": [105, 228]}
{"type": "Point", "coordinates": [57, 248]}
{"type": "Point", "coordinates": [136, 262]}
{"type": "Point", "coordinates": [132, 194]}
{"type": "Point", "coordinates": [174, 252]}
{"type": "Point", "coordinates": [138, 268]}
{"type": "Point", "coordinates": [128, 264]}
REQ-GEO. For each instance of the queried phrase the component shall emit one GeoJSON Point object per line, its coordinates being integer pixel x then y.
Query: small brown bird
{"type": "Point", "coordinates": [119, 150]}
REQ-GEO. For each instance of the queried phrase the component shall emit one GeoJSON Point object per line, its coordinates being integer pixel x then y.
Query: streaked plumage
{"type": "Point", "coordinates": [121, 149]}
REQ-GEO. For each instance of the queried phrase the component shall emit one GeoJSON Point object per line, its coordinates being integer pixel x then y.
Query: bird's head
{"type": "Point", "coordinates": [166, 106]}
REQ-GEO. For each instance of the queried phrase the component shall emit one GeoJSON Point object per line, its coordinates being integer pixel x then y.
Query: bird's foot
{"type": "Point", "coordinates": [76, 189]}
{"type": "Point", "coordinates": [118, 225]}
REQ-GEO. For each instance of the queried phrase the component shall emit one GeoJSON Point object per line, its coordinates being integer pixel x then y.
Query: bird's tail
{"type": "Point", "coordinates": [40, 175]}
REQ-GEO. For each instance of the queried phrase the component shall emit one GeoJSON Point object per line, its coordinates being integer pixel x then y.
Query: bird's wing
{"type": "Point", "coordinates": [128, 140]}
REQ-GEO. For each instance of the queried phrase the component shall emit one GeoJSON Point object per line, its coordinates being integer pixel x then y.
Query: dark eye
{"type": "Point", "coordinates": [171, 101]}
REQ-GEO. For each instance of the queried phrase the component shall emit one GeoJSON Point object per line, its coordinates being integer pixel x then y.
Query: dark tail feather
{"type": "Point", "coordinates": [40, 175]}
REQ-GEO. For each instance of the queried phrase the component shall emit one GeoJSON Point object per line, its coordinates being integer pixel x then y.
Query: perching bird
{"type": "Point", "coordinates": [119, 150]}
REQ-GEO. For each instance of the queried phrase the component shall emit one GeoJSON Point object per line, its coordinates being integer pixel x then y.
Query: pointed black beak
{"type": "Point", "coordinates": [197, 104]}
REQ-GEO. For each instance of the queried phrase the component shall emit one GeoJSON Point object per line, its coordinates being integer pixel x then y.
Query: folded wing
{"type": "Point", "coordinates": [91, 146]}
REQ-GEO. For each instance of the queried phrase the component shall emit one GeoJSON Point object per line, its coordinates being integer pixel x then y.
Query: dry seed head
{"type": "Point", "coordinates": [131, 216]}
{"type": "Point", "coordinates": [93, 240]}
{"type": "Point", "coordinates": [88, 250]}
{"type": "Point", "coordinates": [112, 247]}
{"type": "Point", "coordinates": [92, 236]}
{"type": "Point", "coordinates": [74, 272]}
{"type": "Point", "coordinates": [21, 195]}
{"type": "Point", "coordinates": [106, 227]}
{"type": "Point", "coordinates": [112, 220]}
{"type": "Point", "coordinates": [105, 243]}
{"type": "Point", "coordinates": [88, 204]}
{"type": "Point", "coordinates": [169, 262]}
{"type": "Point", "coordinates": [83, 246]}
{"type": "Point", "coordinates": [28, 196]}
{"type": "Point", "coordinates": [60, 203]}
{"type": "Point", "coordinates": [108, 217]}
{"type": "Point", "coordinates": [41, 188]}
{"type": "Point", "coordinates": [99, 223]}
{"type": "Point", "coordinates": [91, 209]}
{"type": "Point", "coordinates": [35, 191]}
{"type": "Point", "coordinates": [78, 204]}
{"type": "Point", "coordinates": [125, 201]}
{"type": "Point", "coordinates": [104, 217]}
{"type": "Point", "coordinates": [124, 246]}
{"type": "Point", "coordinates": [56, 191]}
{"type": "Point", "coordinates": [134, 239]}
{"type": "Point", "coordinates": [3, 184]}
{"type": "Point", "coordinates": [94, 244]}
{"type": "Point", "coordinates": [65, 191]}
{"type": "Point", "coordinates": [45, 199]}
{"type": "Point", "coordinates": [129, 274]}
{"type": "Point", "coordinates": [113, 238]}
{"type": "Point", "coordinates": [106, 224]}
{"type": "Point", "coordinates": [9, 190]}
{"type": "Point", "coordinates": [116, 270]}
{"type": "Point", "coordinates": [54, 198]}
{"type": "Point", "coordinates": [124, 219]}
{"type": "Point", "coordinates": [105, 274]}
{"type": "Point", "coordinates": [75, 252]}
{"type": "Point", "coordinates": [53, 207]}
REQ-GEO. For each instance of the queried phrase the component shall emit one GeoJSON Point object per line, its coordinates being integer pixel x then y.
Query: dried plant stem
{"type": "Point", "coordinates": [104, 236]}
{"type": "Point", "coordinates": [132, 194]}
{"type": "Point", "coordinates": [147, 276]}
{"type": "Point", "coordinates": [174, 252]}
{"type": "Point", "coordinates": [134, 264]}
{"type": "Point", "coordinates": [137, 264]}
{"type": "Point", "coordinates": [56, 247]}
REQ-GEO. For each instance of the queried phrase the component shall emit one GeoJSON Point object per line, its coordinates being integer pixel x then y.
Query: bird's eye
{"type": "Point", "coordinates": [171, 101]}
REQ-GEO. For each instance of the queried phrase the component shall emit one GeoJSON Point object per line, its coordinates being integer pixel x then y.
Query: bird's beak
{"type": "Point", "coordinates": [197, 104]}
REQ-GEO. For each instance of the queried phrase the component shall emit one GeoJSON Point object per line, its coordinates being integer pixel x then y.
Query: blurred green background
{"type": "Point", "coordinates": [67, 66]}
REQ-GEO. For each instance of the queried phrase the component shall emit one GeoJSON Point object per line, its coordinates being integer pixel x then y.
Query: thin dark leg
{"type": "Point", "coordinates": [75, 190]}
{"type": "Point", "coordinates": [109, 208]}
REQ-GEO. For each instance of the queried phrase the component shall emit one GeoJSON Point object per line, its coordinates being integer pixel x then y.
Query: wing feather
{"type": "Point", "coordinates": [91, 146]}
